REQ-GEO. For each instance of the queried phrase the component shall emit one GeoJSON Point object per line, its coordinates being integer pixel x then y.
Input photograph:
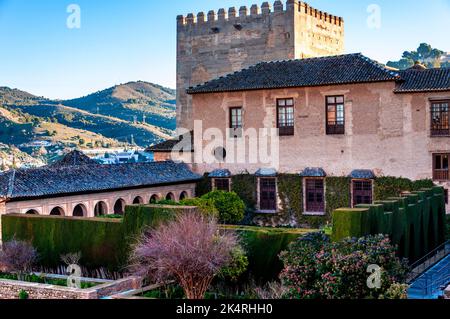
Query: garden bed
{"type": "Point", "coordinates": [48, 280]}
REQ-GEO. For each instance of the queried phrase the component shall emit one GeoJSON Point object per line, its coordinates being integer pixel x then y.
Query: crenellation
{"type": "Point", "coordinates": [201, 17]}
{"type": "Point", "coordinates": [211, 16]}
{"type": "Point", "coordinates": [231, 13]}
{"type": "Point", "coordinates": [221, 14]}
{"type": "Point", "coordinates": [243, 12]}
{"type": "Point", "coordinates": [225, 41]}
{"type": "Point", "coordinates": [266, 8]}
{"type": "Point", "coordinates": [278, 6]}
{"type": "Point", "coordinates": [254, 10]}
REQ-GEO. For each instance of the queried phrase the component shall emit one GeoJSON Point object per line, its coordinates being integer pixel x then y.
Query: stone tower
{"type": "Point", "coordinates": [216, 44]}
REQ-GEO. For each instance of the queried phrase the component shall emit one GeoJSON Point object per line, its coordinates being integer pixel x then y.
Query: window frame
{"type": "Point", "coordinates": [335, 129]}
{"type": "Point", "coordinates": [227, 179]}
{"type": "Point", "coordinates": [236, 131]}
{"type": "Point", "coordinates": [273, 208]}
{"type": "Point", "coordinates": [320, 209]}
{"type": "Point", "coordinates": [439, 130]}
{"type": "Point", "coordinates": [286, 130]}
{"type": "Point", "coordinates": [441, 175]}
{"type": "Point", "coordinates": [354, 181]}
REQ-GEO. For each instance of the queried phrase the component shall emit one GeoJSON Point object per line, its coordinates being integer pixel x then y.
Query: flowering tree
{"type": "Point", "coordinates": [315, 268]}
{"type": "Point", "coordinates": [18, 257]}
{"type": "Point", "coordinates": [190, 250]}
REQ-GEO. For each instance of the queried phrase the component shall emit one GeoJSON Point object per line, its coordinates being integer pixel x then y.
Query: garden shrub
{"type": "Point", "coordinates": [205, 206]}
{"type": "Point", "coordinates": [316, 268]}
{"type": "Point", "coordinates": [238, 265]}
{"type": "Point", "coordinates": [387, 187]}
{"type": "Point", "coordinates": [23, 295]}
{"type": "Point", "coordinates": [231, 208]}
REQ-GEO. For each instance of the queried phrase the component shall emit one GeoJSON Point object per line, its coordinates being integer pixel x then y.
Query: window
{"type": "Point", "coordinates": [335, 115]}
{"type": "Point", "coordinates": [268, 194]}
{"type": "Point", "coordinates": [285, 117]}
{"type": "Point", "coordinates": [440, 167]}
{"type": "Point", "coordinates": [362, 192]}
{"type": "Point", "coordinates": [315, 199]}
{"type": "Point", "coordinates": [440, 115]}
{"type": "Point", "coordinates": [236, 122]}
{"type": "Point", "coordinates": [222, 184]}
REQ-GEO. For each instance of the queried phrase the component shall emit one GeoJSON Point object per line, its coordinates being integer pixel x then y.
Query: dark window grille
{"type": "Point", "coordinates": [440, 167]}
{"type": "Point", "coordinates": [440, 115]}
{"type": "Point", "coordinates": [222, 184]}
{"type": "Point", "coordinates": [335, 115]}
{"type": "Point", "coordinates": [236, 122]}
{"type": "Point", "coordinates": [362, 192]}
{"type": "Point", "coordinates": [268, 194]}
{"type": "Point", "coordinates": [285, 117]}
{"type": "Point", "coordinates": [315, 199]}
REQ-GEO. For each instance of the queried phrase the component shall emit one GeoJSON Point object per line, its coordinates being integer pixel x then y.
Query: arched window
{"type": "Point", "coordinates": [154, 199]}
{"type": "Point", "coordinates": [101, 209]}
{"type": "Point", "coordinates": [170, 196]}
{"type": "Point", "coordinates": [79, 211]}
{"type": "Point", "coordinates": [138, 200]}
{"type": "Point", "coordinates": [32, 212]}
{"type": "Point", "coordinates": [119, 207]}
{"type": "Point", "coordinates": [57, 211]}
{"type": "Point", "coordinates": [183, 195]}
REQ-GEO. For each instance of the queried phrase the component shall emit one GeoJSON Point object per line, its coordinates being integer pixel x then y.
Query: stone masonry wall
{"type": "Point", "coordinates": [215, 44]}
{"type": "Point", "coordinates": [9, 289]}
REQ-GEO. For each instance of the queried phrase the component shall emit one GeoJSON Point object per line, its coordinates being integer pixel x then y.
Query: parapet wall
{"type": "Point", "coordinates": [232, 15]}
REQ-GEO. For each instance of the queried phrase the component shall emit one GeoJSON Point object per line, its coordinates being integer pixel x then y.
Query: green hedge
{"type": "Point", "coordinates": [96, 239]}
{"type": "Point", "coordinates": [106, 242]}
{"type": "Point", "coordinates": [415, 223]}
{"type": "Point", "coordinates": [386, 187]}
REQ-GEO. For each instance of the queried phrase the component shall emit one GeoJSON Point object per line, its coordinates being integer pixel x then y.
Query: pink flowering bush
{"type": "Point", "coordinates": [315, 268]}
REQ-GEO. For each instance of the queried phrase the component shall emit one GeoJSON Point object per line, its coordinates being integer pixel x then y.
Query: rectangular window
{"type": "Point", "coordinates": [440, 115]}
{"type": "Point", "coordinates": [268, 194]}
{"type": "Point", "coordinates": [222, 184]}
{"type": "Point", "coordinates": [285, 117]}
{"type": "Point", "coordinates": [440, 167]}
{"type": "Point", "coordinates": [335, 115]}
{"type": "Point", "coordinates": [236, 122]}
{"type": "Point", "coordinates": [362, 192]}
{"type": "Point", "coordinates": [315, 196]}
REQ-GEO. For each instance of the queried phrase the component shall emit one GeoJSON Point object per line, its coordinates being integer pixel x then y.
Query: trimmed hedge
{"type": "Point", "coordinates": [106, 242]}
{"type": "Point", "coordinates": [415, 223]}
{"type": "Point", "coordinates": [96, 239]}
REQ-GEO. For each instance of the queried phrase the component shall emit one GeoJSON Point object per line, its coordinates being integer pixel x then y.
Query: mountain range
{"type": "Point", "coordinates": [135, 113]}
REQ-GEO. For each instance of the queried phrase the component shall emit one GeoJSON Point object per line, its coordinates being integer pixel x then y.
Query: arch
{"type": "Point", "coordinates": [170, 196]}
{"type": "Point", "coordinates": [32, 212]}
{"type": "Point", "coordinates": [184, 195]}
{"type": "Point", "coordinates": [154, 199]}
{"type": "Point", "coordinates": [57, 211]}
{"type": "Point", "coordinates": [101, 209]}
{"type": "Point", "coordinates": [138, 200]}
{"type": "Point", "coordinates": [79, 211]}
{"type": "Point", "coordinates": [119, 207]}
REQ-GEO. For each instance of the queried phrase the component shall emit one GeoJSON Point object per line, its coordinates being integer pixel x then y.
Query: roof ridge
{"type": "Point", "coordinates": [11, 183]}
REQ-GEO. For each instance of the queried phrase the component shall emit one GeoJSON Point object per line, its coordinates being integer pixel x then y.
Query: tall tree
{"type": "Point", "coordinates": [425, 54]}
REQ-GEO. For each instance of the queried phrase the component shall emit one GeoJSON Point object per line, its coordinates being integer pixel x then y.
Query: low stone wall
{"type": "Point", "coordinates": [9, 289]}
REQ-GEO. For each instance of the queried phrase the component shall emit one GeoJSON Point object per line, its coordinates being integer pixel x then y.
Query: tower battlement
{"type": "Point", "coordinates": [255, 11]}
{"type": "Point", "coordinates": [216, 43]}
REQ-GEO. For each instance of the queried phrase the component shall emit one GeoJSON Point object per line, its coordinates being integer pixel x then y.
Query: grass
{"type": "Point", "coordinates": [44, 280]}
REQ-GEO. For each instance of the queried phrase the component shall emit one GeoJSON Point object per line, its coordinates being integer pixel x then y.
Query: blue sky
{"type": "Point", "coordinates": [128, 40]}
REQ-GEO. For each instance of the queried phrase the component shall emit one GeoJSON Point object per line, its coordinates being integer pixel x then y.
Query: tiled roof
{"type": "Point", "coordinates": [362, 174]}
{"type": "Point", "coordinates": [424, 80]}
{"type": "Point", "coordinates": [266, 172]}
{"type": "Point", "coordinates": [167, 146]}
{"type": "Point", "coordinates": [74, 158]}
{"type": "Point", "coordinates": [65, 180]}
{"type": "Point", "coordinates": [341, 69]}
{"type": "Point", "coordinates": [313, 172]}
{"type": "Point", "coordinates": [220, 173]}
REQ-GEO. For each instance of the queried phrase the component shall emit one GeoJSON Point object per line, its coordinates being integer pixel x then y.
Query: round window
{"type": "Point", "coordinates": [220, 154]}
